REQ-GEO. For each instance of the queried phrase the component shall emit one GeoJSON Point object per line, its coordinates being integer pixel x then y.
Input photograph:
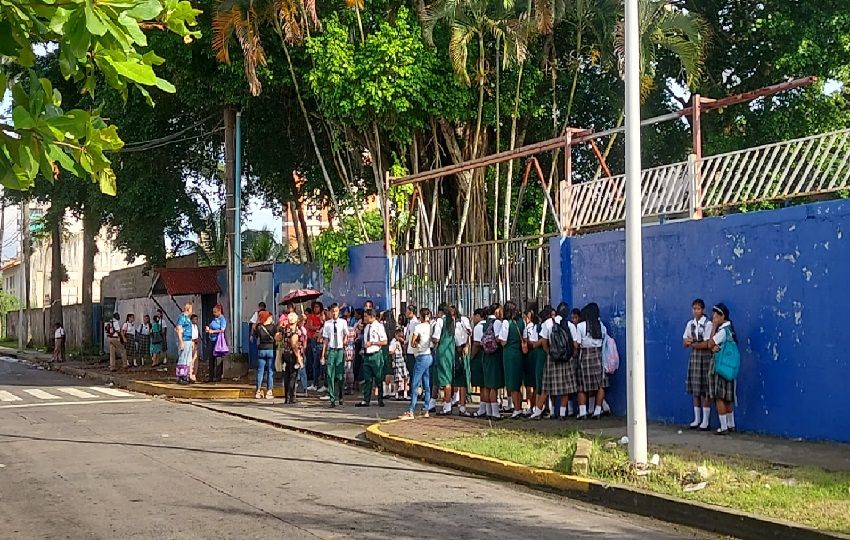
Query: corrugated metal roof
{"type": "Point", "coordinates": [186, 281]}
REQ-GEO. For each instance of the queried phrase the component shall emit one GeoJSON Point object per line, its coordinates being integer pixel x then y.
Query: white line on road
{"type": "Point", "coordinates": [8, 396]}
{"type": "Point", "coordinates": [110, 391]}
{"type": "Point", "coordinates": [28, 405]}
{"type": "Point", "coordinates": [76, 393]}
{"type": "Point", "coordinates": [40, 394]}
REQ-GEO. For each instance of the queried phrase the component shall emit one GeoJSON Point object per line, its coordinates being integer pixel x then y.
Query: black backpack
{"type": "Point", "coordinates": [561, 346]}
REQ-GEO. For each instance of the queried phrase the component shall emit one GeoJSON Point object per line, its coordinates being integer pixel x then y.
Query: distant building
{"type": "Point", "coordinates": [317, 218]}
{"type": "Point", "coordinates": [107, 259]}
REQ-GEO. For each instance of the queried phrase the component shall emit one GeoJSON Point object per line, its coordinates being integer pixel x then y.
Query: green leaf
{"type": "Point", "coordinates": [60, 17]}
{"type": "Point", "coordinates": [45, 167]}
{"type": "Point", "coordinates": [71, 125]}
{"type": "Point", "coordinates": [165, 86]}
{"type": "Point", "coordinates": [56, 153]}
{"type": "Point", "coordinates": [108, 185]}
{"type": "Point", "coordinates": [28, 163]}
{"type": "Point", "coordinates": [134, 70]}
{"type": "Point", "coordinates": [93, 22]}
{"type": "Point", "coordinates": [8, 45]}
{"type": "Point", "coordinates": [133, 29]}
{"type": "Point", "coordinates": [78, 35]}
{"type": "Point", "coordinates": [146, 10]}
{"type": "Point", "coordinates": [22, 119]}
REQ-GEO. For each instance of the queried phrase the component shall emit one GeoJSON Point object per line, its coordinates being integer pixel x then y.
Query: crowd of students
{"type": "Point", "coordinates": [134, 343]}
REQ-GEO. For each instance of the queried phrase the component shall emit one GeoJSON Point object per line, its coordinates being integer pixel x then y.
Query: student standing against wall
{"type": "Point", "coordinates": [697, 332]}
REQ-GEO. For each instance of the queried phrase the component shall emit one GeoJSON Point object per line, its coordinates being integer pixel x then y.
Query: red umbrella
{"type": "Point", "coordinates": [300, 296]}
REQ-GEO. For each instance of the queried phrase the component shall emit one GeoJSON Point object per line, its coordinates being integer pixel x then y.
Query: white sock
{"type": "Point", "coordinates": [571, 408]}
{"type": "Point", "coordinates": [706, 417]}
{"type": "Point", "coordinates": [605, 406]}
{"type": "Point", "coordinates": [723, 425]}
{"type": "Point", "coordinates": [447, 408]}
{"type": "Point", "coordinates": [432, 404]}
{"type": "Point", "coordinates": [551, 404]}
{"type": "Point", "coordinates": [510, 403]}
{"type": "Point", "coordinates": [582, 410]}
{"type": "Point", "coordinates": [563, 412]}
{"type": "Point", "coordinates": [591, 403]}
{"type": "Point", "coordinates": [730, 419]}
{"type": "Point", "coordinates": [597, 411]}
{"type": "Point", "coordinates": [462, 409]}
{"type": "Point", "coordinates": [536, 410]}
{"type": "Point", "coordinates": [495, 408]}
{"type": "Point", "coordinates": [696, 416]}
{"type": "Point", "coordinates": [456, 397]}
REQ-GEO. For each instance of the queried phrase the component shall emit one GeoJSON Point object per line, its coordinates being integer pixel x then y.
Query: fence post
{"type": "Point", "coordinates": [566, 188]}
{"type": "Point", "coordinates": [695, 183]}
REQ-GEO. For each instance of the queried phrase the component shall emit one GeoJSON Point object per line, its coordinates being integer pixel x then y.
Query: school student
{"type": "Point", "coordinates": [58, 343]}
{"type": "Point", "coordinates": [421, 341]}
{"type": "Point", "coordinates": [697, 332]}
{"type": "Point", "coordinates": [128, 334]}
{"type": "Point", "coordinates": [400, 372]}
{"type": "Point", "coordinates": [443, 338]}
{"type": "Point", "coordinates": [534, 361]}
{"type": "Point", "coordinates": [720, 389]}
{"type": "Point", "coordinates": [460, 382]}
{"type": "Point", "coordinates": [374, 338]}
{"type": "Point", "coordinates": [559, 375]}
{"type": "Point", "coordinates": [590, 331]}
{"type": "Point", "coordinates": [334, 336]}
{"type": "Point", "coordinates": [476, 361]}
{"type": "Point", "coordinates": [494, 368]}
{"type": "Point", "coordinates": [510, 337]}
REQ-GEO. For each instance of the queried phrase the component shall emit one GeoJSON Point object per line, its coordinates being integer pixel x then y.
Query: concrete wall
{"type": "Point", "coordinates": [41, 327]}
{"type": "Point", "coordinates": [783, 274]}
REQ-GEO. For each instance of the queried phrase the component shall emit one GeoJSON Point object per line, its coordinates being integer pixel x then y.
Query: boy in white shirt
{"type": "Point", "coordinates": [58, 343]}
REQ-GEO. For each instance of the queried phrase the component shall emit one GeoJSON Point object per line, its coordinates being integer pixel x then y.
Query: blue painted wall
{"type": "Point", "coordinates": [784, 275]}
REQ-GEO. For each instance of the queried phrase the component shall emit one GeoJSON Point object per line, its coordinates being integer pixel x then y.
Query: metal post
{"type": "Point", "coordinates": [20, 283]}
{"type": "Point", "coordinates": [387, 245]}
{"type": "Point", "coordinates": [567, 188]}
{"type": "Point", "coordinates": [237, 239]}
{"type": "Point", "coordinates": [696, 126]}
{"type": "Point", "coordinates": [634, 257]}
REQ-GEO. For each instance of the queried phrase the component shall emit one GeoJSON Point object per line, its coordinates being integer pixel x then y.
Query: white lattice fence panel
{"type": "Point", "coordinates": [809, 166]}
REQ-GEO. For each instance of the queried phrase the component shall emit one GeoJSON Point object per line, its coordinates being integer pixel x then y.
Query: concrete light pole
{"type": "Point", "coordinates": [634, 256]}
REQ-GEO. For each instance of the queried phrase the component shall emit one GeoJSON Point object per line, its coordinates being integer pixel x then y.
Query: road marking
{"type": "Point", "coordinates": [63, 403]}
{"type": "Point", "coordinates": [77, 393]}
{"type": "Point", "coordinates": [40, 394]}
{"type": "Point", "coordinates": [8, 396]}
{"type": "Point", "coordinates": [110, 391]}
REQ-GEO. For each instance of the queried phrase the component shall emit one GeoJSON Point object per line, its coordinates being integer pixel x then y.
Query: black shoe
{"type": "Point", "coordinates": [707, 428]}
{"type": "Point", "coordinates": [465, 414]}
{"type": "Point", "coordinates": [381, 404]}
{"type": "Point", "coordinates": [495, 418]}
{"type": "Point", "coordinates": [441, 412]}
{"type": "Point", "coordinates": [333, 405]}
{"type": "Point", "coordinates": [596, 417]}
{"type": "Point", "coordinates": [691, 426]}
{"type": "Point", "coordinates": [361, 404]}
{"type": "Point", "coordinates": [432, 410]}
{"type": "Point", "coordinates": [722, 432]}
{"type": "Point", "coordinates": [581, 417]}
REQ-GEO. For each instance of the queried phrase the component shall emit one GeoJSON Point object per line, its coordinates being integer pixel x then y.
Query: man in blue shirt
{"type": "Point", "coordinates": [184, 343]}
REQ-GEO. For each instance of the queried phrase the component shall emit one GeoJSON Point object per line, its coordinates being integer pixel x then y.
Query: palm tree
{"type": "Point", "coordinates": [211, 246]}
{"type": "Point", "coordinates": [473, 21]}
{"type": "Point", "coordinates": [291, 21]}
{"type": "Point", "coordinates": [260, 246]}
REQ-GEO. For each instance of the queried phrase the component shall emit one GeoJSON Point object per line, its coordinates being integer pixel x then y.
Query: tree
{"type": "Point", "coordinates": [211, 245]}
{"type": "Point", "coordinates": [93, 40]}
{"type": "Point", "coordinates": [260, 246]}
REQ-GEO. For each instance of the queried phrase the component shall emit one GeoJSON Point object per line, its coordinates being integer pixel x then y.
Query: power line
{"type": "Point", "coordinates": [171, 136]}
{"type": "Point", "coordinates": [166, 143]}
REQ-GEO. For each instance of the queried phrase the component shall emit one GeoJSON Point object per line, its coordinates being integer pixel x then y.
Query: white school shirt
{"type": "Point", "coordinates": [437, 329]}
{"type": "Point", "coordinates": [720, 337]}
{"type": "Point", "coordinates": [129, 329]}
{"type": "Point", "coordinates": [195, 332]}
{"type": "Point", "coordinates": [374, 332]}
{"type": "Point", "coordinates": [254, 317]}
{"type": "Point", "coordinates": [505, 330]}
{"type": "Point", "coordinates": [478, 332]}
{"type": "Point", "coordinates": [703, 329]}
{"type": "Point", "coordinates": [462, 330]}
{"type": "Point", "coordinates": [585, 340]}
{"type": "Point", "coordinates": [394, 345]}
{"type": "Point", "coordinates": [546, 327]}
{"type": "Point", "coordinates": [338, 327]}
{"type": "Point", "coordinates": [145, 329]}
{"type": "Point", "coordinates": [497, 325]}
{"type": "Point", "coordinates": [59, 333]}
{"type": "Point", "coordinates": [423, 330]}
{"type": "Point", "coordinates": [408, 333]}
{"type": "Point", "coordinates": [530, 333]}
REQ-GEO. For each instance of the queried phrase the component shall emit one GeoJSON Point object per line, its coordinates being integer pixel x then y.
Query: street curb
{"type": "Point", "coordinates": [188, 392]}
{"type": "Point", "coordinates": [312, 432]}
{"type": "Point", "coordinates": [693, 514]}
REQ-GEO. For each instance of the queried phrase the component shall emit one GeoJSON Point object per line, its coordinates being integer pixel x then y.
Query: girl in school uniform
{"type": "Point", "coordinates": [510, 337]}
{"type": "Point", "coordinates": [721, 390]}
{"type": "Point", "coordinates": [494, 368]}
{"type": "Point", "coordinates": [534, 362]}
{"type": "Point", "coordinates": [476, 360]}
{"type": "Point", "coordinates": [698, 331]}
{"type": "Point", "coordinates": [400, 372]}
{"type": "Point", "coordinates": [590, 372]}
{"type": "Point", "coordinates": [559, 377]}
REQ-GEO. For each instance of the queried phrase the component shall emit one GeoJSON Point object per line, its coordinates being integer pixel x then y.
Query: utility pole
{"type": "Point", "coordinates": [229, 206]}
{"type": "Point", "coordinates": [634, 257]}
{"type": "Point", "coordinates": [237, 237]}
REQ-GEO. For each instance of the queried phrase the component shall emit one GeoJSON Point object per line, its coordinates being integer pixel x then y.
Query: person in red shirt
{"type": "Point", "coordinates": [314, 327]}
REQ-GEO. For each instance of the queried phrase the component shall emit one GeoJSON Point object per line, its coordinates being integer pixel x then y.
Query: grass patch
{"type": "Point", "coordinates": [806, 495]}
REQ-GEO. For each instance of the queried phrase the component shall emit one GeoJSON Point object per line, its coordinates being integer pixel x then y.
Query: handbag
{"type": "Point", "coordinates": [221, 348]}
{"type": "Point", "coordinates": [727, 361]}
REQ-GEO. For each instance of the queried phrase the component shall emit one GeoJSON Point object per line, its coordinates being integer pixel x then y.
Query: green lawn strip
{"type": "Point", "coordinates": [807, 495]}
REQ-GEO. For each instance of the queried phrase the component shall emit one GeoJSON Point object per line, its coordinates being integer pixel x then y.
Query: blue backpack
{"type": "Point", "coordinates": [727, 361]}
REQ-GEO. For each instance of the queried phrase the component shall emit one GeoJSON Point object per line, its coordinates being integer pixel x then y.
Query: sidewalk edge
{"type": "Point", "coordinates": [693, 514]}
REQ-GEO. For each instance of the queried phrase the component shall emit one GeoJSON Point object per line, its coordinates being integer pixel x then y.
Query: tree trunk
{"type": "Point", "coordinates": [299, 235]}
{"type": "Point", "coordinates": [25, 249]}
{"type": "Point", "coordinates": [91, 226]}
{"type": "Point", "coordinates": [310, 130]}
{"type": "Point", "coordinates": [305, 233]}
{"type": "Point", "coordinates": [56, 268]}
{"type": "Point", "coordinates": [510, 179]}
{"type": "Point", "coordinates": [498, 147]}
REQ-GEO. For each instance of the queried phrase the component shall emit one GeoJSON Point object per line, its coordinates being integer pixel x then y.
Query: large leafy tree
{"type": "Point", "coordinates": [105, 40]}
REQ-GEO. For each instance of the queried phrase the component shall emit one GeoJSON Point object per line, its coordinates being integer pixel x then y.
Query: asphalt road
{"type": "Point", "coordinates": [82, 462]}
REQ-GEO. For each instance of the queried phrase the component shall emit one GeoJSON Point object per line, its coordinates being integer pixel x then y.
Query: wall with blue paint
{"type": "Point", "coordinates": [783, 274]}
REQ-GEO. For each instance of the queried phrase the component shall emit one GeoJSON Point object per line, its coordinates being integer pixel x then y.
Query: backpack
{"type": "Point", "coordinates": [561, 346]}
{"type": "Point", "coordinates": [610, 356]}
{"type": "Point", "coordinates": [727, 361]}
{"type": "Point", "coordinates": [488, 341]}
{"type": "Point", "coordinates": [156, 334]}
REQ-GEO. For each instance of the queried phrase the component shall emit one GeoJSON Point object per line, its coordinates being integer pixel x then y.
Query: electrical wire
{"type": "Point", "coordinates": [166, 143]}
{"type": "Point", "coordinates": [171, 136]}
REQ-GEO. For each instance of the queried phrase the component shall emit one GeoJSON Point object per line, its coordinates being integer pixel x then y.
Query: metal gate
{"type": "Point", "coordinates": [475, 275]}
